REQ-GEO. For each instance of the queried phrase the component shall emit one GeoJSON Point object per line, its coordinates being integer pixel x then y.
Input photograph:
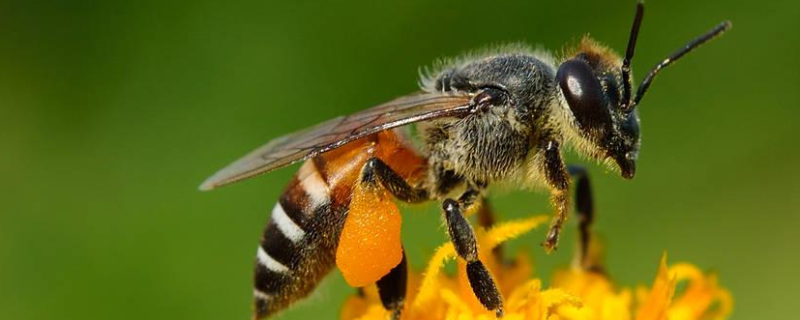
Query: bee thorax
{"type": "Point", "coordinates": [494, 142]}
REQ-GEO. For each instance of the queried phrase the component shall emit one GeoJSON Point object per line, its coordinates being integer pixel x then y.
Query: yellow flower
{"type": "Point", "coordinates": [574, 294]}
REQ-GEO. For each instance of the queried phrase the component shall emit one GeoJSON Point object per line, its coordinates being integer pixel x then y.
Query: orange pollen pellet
{"type": "Point", "coordinates": [369, 246]}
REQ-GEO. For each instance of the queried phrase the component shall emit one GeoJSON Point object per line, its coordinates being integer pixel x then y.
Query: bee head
{"type": "Point", "coordinates": [591, 82]}
{"type": "Point", "coordinates": [596, 84]}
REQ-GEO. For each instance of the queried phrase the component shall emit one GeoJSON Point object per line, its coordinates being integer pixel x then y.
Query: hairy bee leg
{"type": "Point", "coordinates": [392, 288]}
{"type": "Point", "coordinates": [378, 172]}
{"type": "Point", "coordinates": [486, 220]}
{"type": "Point", "coordinates": [584, 203]}
{"type": "Point", "coordinates": [486, 217]}
{"type": "Point", "coordinates": [558, 178]}
{"type": "Point", "coordinates": [463, 238]}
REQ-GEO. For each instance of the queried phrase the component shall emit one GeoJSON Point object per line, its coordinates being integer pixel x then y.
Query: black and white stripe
{"type": "Point", "coordinates": [286, 225]}
{"type": "Point", "coordinates": [276, 257]}
{"type": "Point", "coordinates": [282, 240]}
{"type": "Point", "coordinates": [314, 185]}
{"type": "Point", "coordinates": [292, 257]}
{"type": "Point", "coordinates": [270, 263]}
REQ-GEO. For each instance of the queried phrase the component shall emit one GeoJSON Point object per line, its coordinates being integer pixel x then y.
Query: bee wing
{"type": "Point", "coordinates": [337, 132]}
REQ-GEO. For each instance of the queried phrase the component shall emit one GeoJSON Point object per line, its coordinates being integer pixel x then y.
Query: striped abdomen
{"type": "Point", "coordinates": [298, 246]}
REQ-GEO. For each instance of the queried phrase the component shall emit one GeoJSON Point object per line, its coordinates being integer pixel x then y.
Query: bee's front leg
{"type": "Point", "coordinates": [557, 177]}
{"type": "Point", "coordinates": [463, 238]}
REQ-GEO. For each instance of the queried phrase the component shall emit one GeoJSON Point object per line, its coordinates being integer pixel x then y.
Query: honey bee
{"type": "Point", "coordinates": [501, 116]}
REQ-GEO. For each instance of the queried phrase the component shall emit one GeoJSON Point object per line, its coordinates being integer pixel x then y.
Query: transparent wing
{"type": "Point", "coordinates": [337, 132]}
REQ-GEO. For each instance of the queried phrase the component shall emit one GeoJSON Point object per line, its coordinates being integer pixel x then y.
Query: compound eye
{"type": "Point", "coordinates": [584, 94]}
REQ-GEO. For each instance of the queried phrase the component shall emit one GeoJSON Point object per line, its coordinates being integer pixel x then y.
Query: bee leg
{"type": "Point", "coordinates": [463, 238]}
{"type": "Point", "coordinates": [558, 178]}
{"type": "Point", "coordinates": [584, 203]}
{"type": "Point", "coordinates": [392, 288]}
{"type": "Point", "coordinates": [485, 215]}
{"type": "Point", "coordinates": [378, 172]}
{"type": "Point", "coordinates": [486, 220]}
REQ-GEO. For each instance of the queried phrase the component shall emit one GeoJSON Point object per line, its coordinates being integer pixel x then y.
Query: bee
{"type": "Point", "coordinates": [502, 116]}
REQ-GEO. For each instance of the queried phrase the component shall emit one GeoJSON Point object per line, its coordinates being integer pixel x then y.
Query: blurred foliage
{"type": "Point", "coordinates": [111, 114]}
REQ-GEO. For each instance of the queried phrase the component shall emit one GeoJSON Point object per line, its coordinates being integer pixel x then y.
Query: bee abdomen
{"type": "Point", "coordinates": [297, 245]}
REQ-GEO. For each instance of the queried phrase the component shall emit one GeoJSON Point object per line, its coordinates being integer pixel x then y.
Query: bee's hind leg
{"type": "Point", "coordinates": [392, 288]}
{"type": "Point", "coordinates": [584, 204]}
{"type": "Point", "coordinates": [463, 238]}
{"type": "Point", "coordinates": [376, 172]}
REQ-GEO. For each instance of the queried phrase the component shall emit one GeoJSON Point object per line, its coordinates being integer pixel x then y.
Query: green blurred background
{"type": "Point", "coordinates": [111, 114]}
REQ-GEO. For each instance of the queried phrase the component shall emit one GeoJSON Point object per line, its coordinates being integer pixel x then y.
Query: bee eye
{"type": "Point", "coordinates": [584, 94]}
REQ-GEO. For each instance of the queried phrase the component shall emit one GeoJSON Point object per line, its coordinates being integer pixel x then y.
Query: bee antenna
{"type": "Point", "coordinates": [626, 64]}
{"type": "Point", "coordinates": [711, 34]}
